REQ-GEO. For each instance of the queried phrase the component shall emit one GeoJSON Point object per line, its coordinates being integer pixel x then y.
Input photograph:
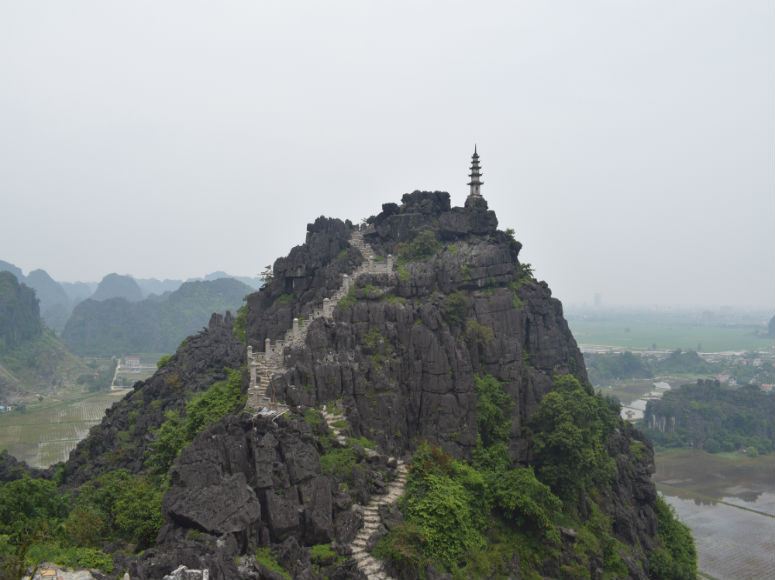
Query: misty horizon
{"type": "Point", "coordinates": [630, 146]}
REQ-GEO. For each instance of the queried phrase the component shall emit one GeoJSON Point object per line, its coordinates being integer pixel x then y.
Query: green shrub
{"type": "Point", "coordinates": [340, 461]}
{"type": "Point", "coordinates": [455, 308]}
{"type": "Point", "coordinates": [493, 410]}
{"type": "Point", "coordinates": [285, 299]}
{"type": "Point", "coordinates": [478, 333]}
{"type": "Point", "coordinates": [572, 428]}
{"type": "Point", "coordinates": [444, 515]}
{"type": "Point", "coordinates": [527, 502]}
{"type": "Point", "coordinates": [162, 362]}
{"type": "Point", "coordinates": [403, 548]}
{"type": "Point", "coordinates": [676, 559]}
{"type": "Point", "coordinates": [265, 557]}
{"type": "Point", "coordinates": [240, 323]}
{"type": "Point", "coordinates": [363, 442]}
{"type": "Point", "coordinates": [73, 557]}
{"type": "Point", "coordinates": [422, 247]}
{"type": "Point", "coordinates": [221, 399]}
{"type": "Point", "coordinates": [348, 301]}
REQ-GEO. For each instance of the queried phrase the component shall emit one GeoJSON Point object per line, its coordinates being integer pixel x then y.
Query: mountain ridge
{"type": "Point", "coordinates": [457, 361]}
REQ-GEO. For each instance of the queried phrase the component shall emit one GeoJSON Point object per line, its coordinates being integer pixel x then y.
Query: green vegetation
{"type": "Point", "coordinates": [711, 417]}
{"type": "Point", "coordinates": [571, 430]}
{"type": "Point", "coordinates": [473, 519]}
{"type": "Point", "coordinates": [348, 301]}
{"type": "Point", "coordinates": [422, 247]}
{"type": "Point", "coordinates": [455, 308]}
{"type": "Point", "coordinates": [478, 333]}
{"type": "Point", "coordinates": [285, 299]}
{"type": "Point", "coordinates": [265, 557]}
{"type": "Point", "coordinates": [676, 558]}
{"type": "Point", "coordinates": [223, 398]}
{"type": "Point", "coordinates": [240, 323]}
{"type": "Point", "coordinates": [607, 367]}
{"type": "Point", "coordinates": [163, 361]}
{"type": "Point", "coordinates": [514, 287]}
{"type": "Point", "coordinates": [37, 523]}
{"type": "Point", "coordinates": [378, 347]}
{"type": "Point", "coordinates": [101, 375]}
{"type": "Point", "coordinates": [155, 324]}
{"type": "Point", "coordinates": [393, 299]}
{"type": "Point", "coordinates": [323, 555]}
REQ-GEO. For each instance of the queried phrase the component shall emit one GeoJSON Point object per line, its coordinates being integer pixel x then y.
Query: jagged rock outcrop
{"type": "Point", "coordinates": [250, 481]}
{"type": "Point", "coordinates": [394, 363]}
{"type": "Point", "coordinates": [403, 356]}
{"type": "Point", "coordinates": [198, 363]}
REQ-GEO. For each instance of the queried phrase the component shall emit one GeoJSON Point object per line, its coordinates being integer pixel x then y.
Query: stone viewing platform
{"type": "Point", "coordinates": [264, 366]}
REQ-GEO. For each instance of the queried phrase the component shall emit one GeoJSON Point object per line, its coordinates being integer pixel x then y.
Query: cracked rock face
{"type": "Point", "coordinates": [398, 358]}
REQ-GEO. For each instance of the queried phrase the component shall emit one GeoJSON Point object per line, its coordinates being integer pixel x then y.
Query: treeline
{"type": "Point", "coordinates": [156, 324]}
{"type": "Point", "coordinates": [713, 418]}
{"type": "Point", "coordinates": [607, 367]}
{"type": "Point", "coordinates": [19, 313]}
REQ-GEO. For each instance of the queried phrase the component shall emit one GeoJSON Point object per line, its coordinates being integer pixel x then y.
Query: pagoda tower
{"type": "Point", "coordinates": [475, 174]}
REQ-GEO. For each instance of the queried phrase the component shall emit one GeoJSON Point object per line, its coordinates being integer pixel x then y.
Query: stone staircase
{"type": "Point", "coordinates": [368, 564]}
{"type": "Point", "coordinates": [264, 365]}
{"type": "Point", "coordinates": [331, 419]}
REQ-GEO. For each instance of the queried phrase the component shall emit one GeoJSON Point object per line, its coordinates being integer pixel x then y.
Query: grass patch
{"type": "Point", "coordinates": [268, 560]}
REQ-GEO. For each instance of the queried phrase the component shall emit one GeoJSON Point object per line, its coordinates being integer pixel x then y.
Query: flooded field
{"type": "Point", "coordinates": [47, 433]}
{"type": "Point", "coordinates": [729, 504]}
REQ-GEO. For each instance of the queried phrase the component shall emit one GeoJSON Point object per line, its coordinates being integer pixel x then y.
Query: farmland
{"type": "Point", "coordinates": [670, 331]}
{"type": "Point", "coordinates": [728, 501]}
{"type": "Point", "coordinates": [45, 433]}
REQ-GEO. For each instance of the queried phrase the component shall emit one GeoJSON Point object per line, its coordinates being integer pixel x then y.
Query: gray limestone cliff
{"type": "Point", "coordinates": [312, 486]}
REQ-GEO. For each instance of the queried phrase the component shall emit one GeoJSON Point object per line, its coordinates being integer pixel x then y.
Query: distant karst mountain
{"type": "Point", "coordinates": [55, 305]}
{"type": "Point", "coordinates": [117, 286]}
{"type": "Point", "coordinates": [19, 312]}
{"type": "Point", "coordinates": [155, 324]}
{"type": "Point", "coordinates": [32, 358]}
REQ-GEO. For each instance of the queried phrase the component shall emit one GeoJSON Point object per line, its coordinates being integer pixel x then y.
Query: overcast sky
{"type": "Point", "coordinates": [629, 143]}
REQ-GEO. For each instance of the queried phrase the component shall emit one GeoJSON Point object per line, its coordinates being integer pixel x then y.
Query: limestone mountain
{"type": "Point", "coordinates": [155, 324]}
{"type": "Point", "coordinates": [415, 357]}
{"type": "Point", "coordinates": [19, 312]}
{"type": "Point", "coordinates": [117, 286]}
{"type": "Point", "coordinates": [55, 305]}
{"type": "Point", "coordinates": [32, 358]}
{"type": "Point", "coordinates": [78, 291]}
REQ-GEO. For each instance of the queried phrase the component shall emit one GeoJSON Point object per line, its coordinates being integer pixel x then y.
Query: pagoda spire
{"type": "Point", "coordinates": [475, 175]}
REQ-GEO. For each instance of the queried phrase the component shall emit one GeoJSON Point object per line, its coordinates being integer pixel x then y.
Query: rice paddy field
{"type": "Point", "coordinates": [47, 432]}
{"type": "Point", "coordinates": [728, 502]}
{"type": "Point", "coordinates": [652, 333]}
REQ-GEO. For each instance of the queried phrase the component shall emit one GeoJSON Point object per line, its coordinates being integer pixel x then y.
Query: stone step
{"type": "Point", "coordinates": [372, 570]}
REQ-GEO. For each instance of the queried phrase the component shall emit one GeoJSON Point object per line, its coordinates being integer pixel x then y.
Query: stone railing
{"type": "Point", "coordinates": [264, 365]}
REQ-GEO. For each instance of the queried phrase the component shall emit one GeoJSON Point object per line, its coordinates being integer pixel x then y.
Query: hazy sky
{"type": "Point", "coordinates": [629, 143]}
